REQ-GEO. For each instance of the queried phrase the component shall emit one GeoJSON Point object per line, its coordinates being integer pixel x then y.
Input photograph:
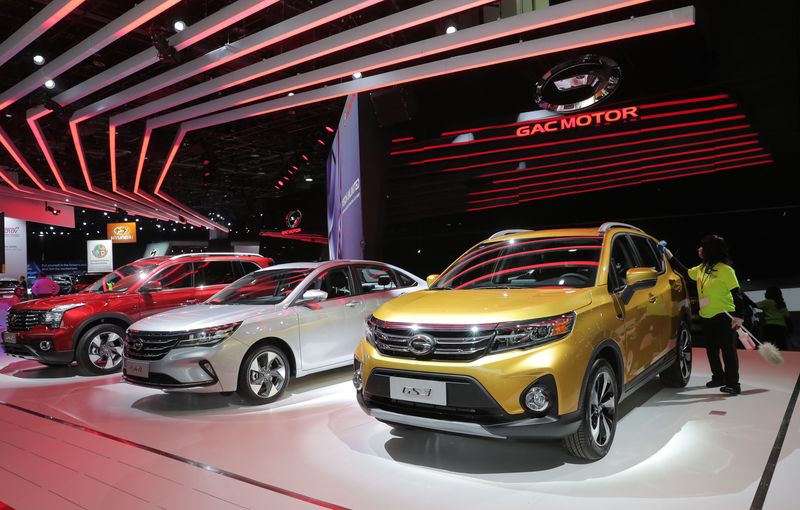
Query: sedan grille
{"type": "Point", "coordinates": [151, 345]}
{"type": "Point", "coordinates": [24, 320]}
{"type": "Point", "coordinates": [450, 343]}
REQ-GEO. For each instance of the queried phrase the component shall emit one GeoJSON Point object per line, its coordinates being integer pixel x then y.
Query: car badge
{"type": "Point", "coordinates": [421, 345]}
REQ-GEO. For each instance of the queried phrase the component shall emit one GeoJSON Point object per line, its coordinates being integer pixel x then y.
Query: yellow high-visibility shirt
{"type": "Point", "coordinates": [714, 289]}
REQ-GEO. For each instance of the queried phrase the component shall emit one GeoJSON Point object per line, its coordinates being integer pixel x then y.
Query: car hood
{"type": "Point", "coordinates": [482, 306]}
{"type": "Point", "coordinates": [201, 316]}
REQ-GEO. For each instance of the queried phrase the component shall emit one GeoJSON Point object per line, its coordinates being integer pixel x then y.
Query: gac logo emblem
{"type": "Point", "coordinates": [417, 392]}
{"type": "Point", "coordinates": [138, 345]}
{"type": "Point", "coordinates": [121, 230]}
{"type": "Point", "coordinates": [421, 345]}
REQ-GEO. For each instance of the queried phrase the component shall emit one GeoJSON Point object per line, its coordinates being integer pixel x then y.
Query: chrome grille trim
{"type": "Point", "coordinates": [155, 344]}
{"type": "Point", "coordinates": [453, 343]}
{"type": "Point", "coordinates": [24, 320]}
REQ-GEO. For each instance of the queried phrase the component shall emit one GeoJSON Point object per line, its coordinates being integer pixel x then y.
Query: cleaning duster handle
{"type": "Point", "coordinates": [746, 331]}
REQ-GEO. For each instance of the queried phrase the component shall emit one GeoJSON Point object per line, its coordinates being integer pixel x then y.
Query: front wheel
{"type": "Point", "coordinates": [100, 349]}
{"type": "Point", "coordinates": [595, 434]}
{"type": "Point", "coordinates": [263, 375]}
{"type": "Point", "coordinates": [677, 374]}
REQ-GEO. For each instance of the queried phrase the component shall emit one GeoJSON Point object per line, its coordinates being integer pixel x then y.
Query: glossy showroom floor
{"type": "Point", "coordinates": [689, 449]}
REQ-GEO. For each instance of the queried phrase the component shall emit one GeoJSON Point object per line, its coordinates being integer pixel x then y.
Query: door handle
{"type": "Point", "coordinates": [352, 304]}
{"type": "Point", "coordinates": [652, 298]}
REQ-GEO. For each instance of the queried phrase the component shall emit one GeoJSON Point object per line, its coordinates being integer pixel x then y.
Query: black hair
{"type": "Point", "coordinates": [715, 250]}
{"type": "Point", "coordinates": [775, 294]}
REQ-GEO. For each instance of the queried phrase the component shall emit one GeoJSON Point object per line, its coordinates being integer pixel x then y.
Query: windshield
{"type": "Point", "coordinates": [122, 278]}
{"type": "Point", "coordinates": [261, 288]}
{"type": "Point", "coordinates": [526, 263]}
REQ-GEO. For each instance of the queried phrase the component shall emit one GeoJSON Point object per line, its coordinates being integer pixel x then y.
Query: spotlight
{"type": "Point", "coordinates": [38, 60]}
{"type": "Point", "coordinates": [329, 129]}
{"type": "Point", "coordinates": [290, 94]}
{"type": "Point", "coordinates": [451, 29]}
{"type": "Point", "coordinates": [357, 75]}
{"type": "Point", "coordinates": [52, 210]}
{"type": "Point", "coordinates": [309, 179]}
{"type": "Point", "coordinates": [50, 84]}
{"type": "Point", "coordinates": [320, 142]}
{"type": "Point", "coordinates": [165, 52]}
{"type": "Point", "coordinates": [179, 26]}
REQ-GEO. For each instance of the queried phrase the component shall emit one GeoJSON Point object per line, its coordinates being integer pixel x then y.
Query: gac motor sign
{"type": "Point", "coordinates": [582, 120]}
{"type": "Point", "coordinates": [122, 232]}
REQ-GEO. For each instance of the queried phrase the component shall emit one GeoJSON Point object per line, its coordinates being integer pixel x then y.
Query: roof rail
{"type": "Point", "coordinates": [605, 227]}
{"type": "Point", "coordinates": [215, 254]}
{"type": "Point", "coordinates": [509, 232]}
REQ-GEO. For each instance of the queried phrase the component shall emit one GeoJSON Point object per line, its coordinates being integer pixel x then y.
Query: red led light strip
{"type": "Point", "coordinates": [766, 160]}
{"type": "Point", "coordinates": [610, 156]}
{"type": "Point", "coordinates": [517, 124]}
{"type": "Point", "coordinates": [533, 266]}
{"type": "Point", "coordinates": [616, 172]}
{"type": "Point", "coordinates": [580, 139]}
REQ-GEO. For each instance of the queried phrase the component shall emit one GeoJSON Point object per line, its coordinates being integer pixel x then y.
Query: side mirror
{"type": "Point", "coordinates": [384, 280]}
{"type": "Point", "coordinates": [638, 278]}
{"type": "Point", "coordinates": [431, 278]}
{"type": "Point", "coordinates": [151, 286]}
{"type": "Point", "coordinates": [312, 296]}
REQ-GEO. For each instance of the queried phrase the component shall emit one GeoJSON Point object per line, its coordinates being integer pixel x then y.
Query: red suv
{"type": "Point", "coordinates": [89, 327]}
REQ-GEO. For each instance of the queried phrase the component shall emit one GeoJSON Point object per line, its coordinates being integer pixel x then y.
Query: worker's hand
{"type": "Point", "coordinates": [736, 322]}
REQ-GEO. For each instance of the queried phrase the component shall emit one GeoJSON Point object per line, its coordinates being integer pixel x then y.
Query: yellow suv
{"type": "Point", "coordinates": [530, 334]}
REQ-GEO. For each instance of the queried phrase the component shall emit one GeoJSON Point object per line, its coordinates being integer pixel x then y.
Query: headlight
{"type": "Point", "coordinates": [521, 335]}
{"type": "Point", "coordinates": [369, 329]}
{"type": "Point", "coordinates": [209, 336]}
{"type": "Point", "coordinates": [52, 318]}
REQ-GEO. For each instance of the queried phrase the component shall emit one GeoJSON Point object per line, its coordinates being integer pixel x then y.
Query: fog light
{"type": "Point", "coordinates": [206, 366]}
{"type": "Point", "coordinates": [537, 399]}
{"type": "Point", "coordinates": [357, 382]}
{"type": "Point", "coordinates": [45, 345]}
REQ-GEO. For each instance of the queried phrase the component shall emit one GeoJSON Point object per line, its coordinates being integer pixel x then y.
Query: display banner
{"type": "Point", "coordinates": [99, 256]}
{"type": "Point", "coordinates": [345, 224]}
{"type": "Point", "coordinates": [122, 232]}
{"type": "Point", "coordinates": [15, 243]}
{"type": "Point", "coordinates": [156, 249]}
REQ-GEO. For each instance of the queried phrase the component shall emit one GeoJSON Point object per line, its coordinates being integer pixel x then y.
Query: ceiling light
{"type": "Point", "coordinates": [357, 75]}
{"type": "Point", "coordinates": [329, 129]}
{"type": "Point", "coordinates": [50, 84]}
{"type": "Point", "coordinates": [451, 29]}
{"type": "Point", "coordinates": [179, 26]}
{"type": "Point", "coordinates": [38, 60]}
{"type": "Point", "coordinates": [309, 179]}
{"type": "Point", "coordinates": [290, 94]}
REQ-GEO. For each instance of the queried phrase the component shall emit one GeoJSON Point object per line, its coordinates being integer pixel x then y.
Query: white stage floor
{"type": "Point", "coordinates": [688, 449]}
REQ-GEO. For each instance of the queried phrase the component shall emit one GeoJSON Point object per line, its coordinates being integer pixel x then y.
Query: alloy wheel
{"type": "Point", "coordinates": [685, 354]}
{"type": "Point", "coordinates": [602, 409]}
{"type": "Point", "coordinates": [267, 374]}
{"type": "Point", "coordinates": [105, 350]}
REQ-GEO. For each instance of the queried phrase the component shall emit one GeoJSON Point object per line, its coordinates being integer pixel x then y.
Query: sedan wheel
{"type": "Point", "coordinates": [264, 375]}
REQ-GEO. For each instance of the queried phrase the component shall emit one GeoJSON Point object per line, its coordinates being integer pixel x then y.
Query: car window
{"type": "Point", "coordinates": [248, 267]}
{"type": "Point", "coordinates": [336, 282]}
{"type": "Point", "coordinates": [621, 260]}
{"type": "Point", "coordinates": [214, 272]}
{"type": "Point", "coordinates": [526, 263]}
{"type": "Point", "coordinates": [659, 255]}
{"type": "Point", "coordinates": [122, 278]}
{"type": "Point", "coordinates": [404, 280]}
{"type": "Point", "coordinates": [176, 276]}
{"type": "Point", "coordinates": [375, 278]}
{"type": "Point", "coordinates": [647, 256]}
{"type": "Point", "coordinates": [261, 288]}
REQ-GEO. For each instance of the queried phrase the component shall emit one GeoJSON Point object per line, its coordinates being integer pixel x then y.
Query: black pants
{"type": "Point", "coordinates": [776, 334]}
{"type": "Point", "coordinates": [721, 337]}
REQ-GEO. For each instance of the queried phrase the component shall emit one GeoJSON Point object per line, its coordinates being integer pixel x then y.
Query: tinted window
{"type": "Point", "coordinates": [263, 288]}
{"type": "Point", "coordinates": [647, 256]}
{"type": "Point", "coordinates": [122, 278]}
{"type": "Point", "coordinates": [526, 263]}
{"type": "Point", "coordinates": [214, 272]}
{"type": "Point", "coordinates": [621, 260]}
{"type": "Point", "coordinates": [405, 280]}
{"type": "Point", "coordinates": [336, 282]}
{"type": "Point", "coordinates": [248, 267]}
{"type": "Point", "coordinates": [375, 278]}
{"type": "Point", "coordinates": [177, 276]}
{"type": "Point", "coordinates": [659, 255]}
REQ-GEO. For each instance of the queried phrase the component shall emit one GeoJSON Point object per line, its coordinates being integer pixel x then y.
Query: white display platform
{"type": "Point", "coordinates": [687, 449]}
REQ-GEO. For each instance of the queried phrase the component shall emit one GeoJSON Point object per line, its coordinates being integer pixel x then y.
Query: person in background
{"type": "Point", "coordinates": [718, 291]}
{"type": "Point", "coordinates": [21, 290]}
{"type": "Point", "coordinates": [44, 287]}
{"type": "Point", "coordinates": [777, 320]}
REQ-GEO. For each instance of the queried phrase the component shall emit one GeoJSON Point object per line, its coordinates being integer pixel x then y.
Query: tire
{"type": "Point", "coordinates": [677, 375]}
{"type": "Point", "coordinates": [99, 350]}
{"type": "Point", "coordinates": [264, 375]}
{"type": "Point", "coordinates": [594, 436]}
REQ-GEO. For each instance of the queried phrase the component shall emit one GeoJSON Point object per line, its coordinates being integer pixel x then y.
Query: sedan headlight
{"type": "Point", "coordinates": [369, 330]}
{"type": "Point", "coordinates": [521, 335]}
{"type": "Point", "coordinates": [52, 318]}
{"type": "Point", "coordinates": [209, 336]}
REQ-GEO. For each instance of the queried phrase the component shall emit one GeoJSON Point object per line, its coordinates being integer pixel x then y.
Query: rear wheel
{"type": "Point", "coordinates": [677, 375]}
{"type": "Point", "coordinates": [598, 424]}
{"type": "Point", "coordinates": [264, 375]}
{"type": "Point", "coordinates": [100, 349]}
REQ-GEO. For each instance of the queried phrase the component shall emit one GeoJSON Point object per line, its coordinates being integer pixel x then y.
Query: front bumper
{"type": "Point", "coordinates": [193, 369]}
{"type": "Point", "coordinates": [28, 346]}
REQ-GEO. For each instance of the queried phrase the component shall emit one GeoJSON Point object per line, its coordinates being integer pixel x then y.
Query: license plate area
{"type": "Point", "coordinates": [418, 390]}
{"type": "Point", "coordinates": [137, 368]}
{"type": "Point", "coordinates": [9, 337]}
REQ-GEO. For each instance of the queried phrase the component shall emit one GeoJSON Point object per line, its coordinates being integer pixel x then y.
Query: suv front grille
{"type": "Point", "coordinates": [24, 320]}
{"type": "Point", "coordinates": [452, 343]}
{"type": "Point", "coordinates": [151, 345]}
